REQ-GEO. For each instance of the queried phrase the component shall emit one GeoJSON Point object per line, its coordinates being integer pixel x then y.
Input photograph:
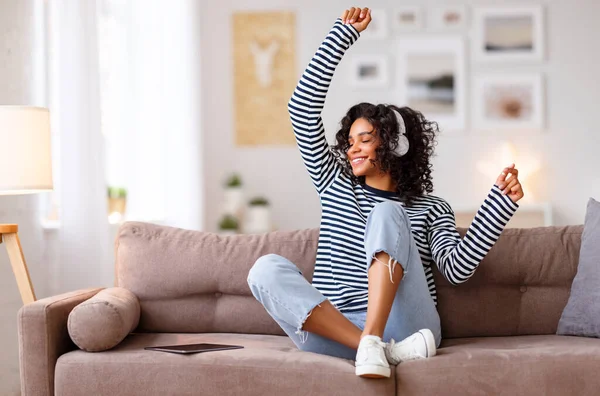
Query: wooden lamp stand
{"type": "Point", "coordinates": [8, 233]}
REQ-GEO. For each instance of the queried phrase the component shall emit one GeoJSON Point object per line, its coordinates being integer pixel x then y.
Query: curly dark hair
{"type": "Point", "coordinates": [411, 173]}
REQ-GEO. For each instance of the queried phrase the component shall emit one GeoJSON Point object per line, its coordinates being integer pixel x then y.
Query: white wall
{"type": "Point", "coordinates": [21, 69]}
{"type": "Point", "coordinates": [567, 148]}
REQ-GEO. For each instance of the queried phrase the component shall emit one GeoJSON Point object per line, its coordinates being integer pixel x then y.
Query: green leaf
{"type": "Point", "coordinates": [234, 181]}
{"type": "Point", "coordinates": [228, 222]}
{"type": "Point", "coordinates": [259, 201]}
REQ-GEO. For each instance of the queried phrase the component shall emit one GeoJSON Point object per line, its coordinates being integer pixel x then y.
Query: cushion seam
{"type": "Point", "coordinates": [223, 365]}
{"type": "Point", "coordinates": [206, 234]}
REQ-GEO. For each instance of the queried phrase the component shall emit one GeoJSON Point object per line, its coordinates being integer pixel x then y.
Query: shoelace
{"type": "Point", "coordinates": [412, 355]}
{"type": "Point", "coordinates": [370, 343]}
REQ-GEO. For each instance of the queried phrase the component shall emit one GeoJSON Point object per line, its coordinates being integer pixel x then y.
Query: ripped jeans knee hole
{"type": "Point", "coordinates": [302, 334]}
{"type": "Point", "coordinates": [391, 264]}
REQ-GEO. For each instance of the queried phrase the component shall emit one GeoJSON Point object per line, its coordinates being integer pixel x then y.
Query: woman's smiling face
{"type": "Point", "coordinates": [363, 142]}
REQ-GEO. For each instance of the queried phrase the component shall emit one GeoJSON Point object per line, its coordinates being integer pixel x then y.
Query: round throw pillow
{"type": "Point", "coordinates": [103, 321]}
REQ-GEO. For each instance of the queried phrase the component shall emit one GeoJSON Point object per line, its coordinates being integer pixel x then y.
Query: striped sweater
{"type": "Point", "coordinates": [340, 270]}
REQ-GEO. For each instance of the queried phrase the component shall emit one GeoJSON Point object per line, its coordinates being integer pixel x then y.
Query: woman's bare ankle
{"type": "Point", "coordinates": [367, 332]}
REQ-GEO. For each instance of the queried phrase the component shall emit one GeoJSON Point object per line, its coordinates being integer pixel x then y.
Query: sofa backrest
{"type": "Point", "coordinates": [520, 288]}
{"type": "Point", "coordinates": [193, 281]}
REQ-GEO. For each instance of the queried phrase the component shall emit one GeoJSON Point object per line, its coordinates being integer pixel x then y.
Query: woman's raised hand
{"type": "Point", "coordinates": [511, 187]}
{"type": "Point", "coordinates": [357, 17]}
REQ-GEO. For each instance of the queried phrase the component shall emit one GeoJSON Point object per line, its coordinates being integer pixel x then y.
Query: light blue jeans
{"type": "Point", "coordinates": [289, 298]}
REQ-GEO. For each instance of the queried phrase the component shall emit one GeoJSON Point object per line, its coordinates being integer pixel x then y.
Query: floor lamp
{"type": "Point", "coordinates": [25, 167]}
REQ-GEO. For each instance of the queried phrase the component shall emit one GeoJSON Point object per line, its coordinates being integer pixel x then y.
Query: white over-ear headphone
{"type": "Point", "coordinates": [403, 143]}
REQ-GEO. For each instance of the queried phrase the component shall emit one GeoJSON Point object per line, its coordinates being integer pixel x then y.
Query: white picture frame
{"type": "Point", "coordinates": [508, 102]}
{"type": "Point", "coordinates": [378, 28]}
{"type": "Point", "coordinates": [448, 18]}
{"type": "Point", "coordinates": [508, 34]}
{"type": "Point", "coordinates": [407, 19]}
{"type": "Point", "coordinates": [369, 71]}
{"type": "Point", "coordinates": [426, 61]}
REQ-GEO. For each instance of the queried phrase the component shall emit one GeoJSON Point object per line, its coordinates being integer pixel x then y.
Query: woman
{"type": "Point", "coordinates": [381, 230]}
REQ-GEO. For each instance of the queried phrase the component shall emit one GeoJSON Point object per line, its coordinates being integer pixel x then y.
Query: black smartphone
{"type": "Point", "coordinates": [193, 348]}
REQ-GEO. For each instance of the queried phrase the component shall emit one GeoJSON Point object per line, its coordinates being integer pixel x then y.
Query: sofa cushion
{"type": "Point", "coordinates": [520, 287]}
{"type": "Point", "coordinates": [581, 316]}
{"type": "Point", "coordinates": [103, 321]}
{"type": "Point", "coordinates": [195, 282]}
{"type": "Point", "coordinates": [521, 365]}
{"type": "Point", "coordinates": [268, 365]}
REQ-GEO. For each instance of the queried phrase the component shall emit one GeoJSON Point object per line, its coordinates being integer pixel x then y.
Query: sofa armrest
{"type": "Point", "coordinates": [43, 337]}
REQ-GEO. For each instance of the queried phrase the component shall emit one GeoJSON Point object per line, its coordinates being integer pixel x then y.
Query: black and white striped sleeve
{"type": "Point", "coordinates": [307, 103]}
{"type": "Point", "coordinates": [458, 259]}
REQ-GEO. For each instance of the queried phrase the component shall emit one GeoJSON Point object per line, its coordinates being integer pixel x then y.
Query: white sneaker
{"type": "Point", "coordinates": [420, 345]}
{"type": "Point", "coordinates": [371, 361]}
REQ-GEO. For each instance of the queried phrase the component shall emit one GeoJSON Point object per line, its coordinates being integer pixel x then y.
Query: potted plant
{"type": "Point", "coordinates": [233, 181]}
{"type": "Point", "coordinates": [258, 201]}
{"type": "Point", "coordinates": [117, 202]}
{"type": "Point", "coordinates": [228, 225]}
{"type": "Point", "coordinates": [258, 219]}
{"type": "Point", "coordinates": [233, 203]}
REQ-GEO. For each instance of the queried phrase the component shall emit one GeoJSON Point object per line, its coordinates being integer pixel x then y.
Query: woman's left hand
{"type": "Point", "coordinates": [511, 187]}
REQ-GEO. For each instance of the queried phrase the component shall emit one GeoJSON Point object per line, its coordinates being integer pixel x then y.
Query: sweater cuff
{"type": "Point", "coordinates": [351, 30]}
{"type": "Point", "coordinates": [505, 198]}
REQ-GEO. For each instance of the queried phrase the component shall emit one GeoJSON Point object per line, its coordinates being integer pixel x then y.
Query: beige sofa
{"type": "Point", "coordinates": [498, 327]}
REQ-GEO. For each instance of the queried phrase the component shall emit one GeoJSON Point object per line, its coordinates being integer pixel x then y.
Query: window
{"type": "Point", "coordinates": [147, 103]}
{"type": "Point", "coordinates": [131, 78]}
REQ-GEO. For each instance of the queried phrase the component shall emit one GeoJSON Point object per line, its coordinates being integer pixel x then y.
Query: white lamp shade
{"type": "Point", "coordinates": [25, 159]}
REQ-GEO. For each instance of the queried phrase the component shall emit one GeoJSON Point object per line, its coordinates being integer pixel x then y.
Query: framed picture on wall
{"type": "Point", "coordinates": [263, 54]}
{"type": "Point", "coordinates": [508, 33]}
{"type": "Point", "coordinates": [369, 71]}
{"type": "Point", "coordinates": [448, 18]}
{"type": "Point", "coordinates": [407, 18]}
{"type": "Point", "coordinates": [431, 75]}
{"type": "Point", "coordinates": [511, 101]}
{"type": "Point", "coordinates": [378, 28]}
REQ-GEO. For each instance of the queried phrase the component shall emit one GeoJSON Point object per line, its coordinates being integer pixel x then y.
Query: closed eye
{"type": "Point", "coordinates": [361, 134]}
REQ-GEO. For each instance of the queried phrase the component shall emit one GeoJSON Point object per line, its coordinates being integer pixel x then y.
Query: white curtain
{"type": "Point", "coordinates": [127, 112]}
{"type": "Point", "coordinates": [150, 51]}
{"type": "Point", "coordinates": [84, 253]}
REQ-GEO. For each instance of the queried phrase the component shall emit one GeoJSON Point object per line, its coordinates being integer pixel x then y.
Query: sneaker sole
{"type": "Point", "coordinates": [373, 371]}
{"type": "Point", "coordinates": [429, 342]}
